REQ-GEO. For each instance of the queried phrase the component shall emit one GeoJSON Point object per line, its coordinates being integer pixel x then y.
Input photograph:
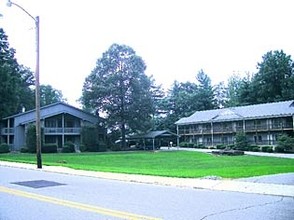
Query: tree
{"type": "Point", "coordinates": [220, 95]}
{"type": "Point", "coordinates": [49, 95]}
{"type": "Point", "coordinates": [205, 97]}
{"type": "Point", "coordinates": [15, 81]}
{"type": "Point", "coordinates": [119, 88]}
{"type": "Point", "coordinates": [274, 80]}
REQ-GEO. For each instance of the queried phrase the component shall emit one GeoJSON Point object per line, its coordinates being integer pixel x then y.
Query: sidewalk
{"type": "Point", "coordinates": [196, 183]}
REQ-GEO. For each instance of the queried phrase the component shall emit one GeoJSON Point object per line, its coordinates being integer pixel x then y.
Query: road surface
{"type": "Point", "coordinates": [36, 194]}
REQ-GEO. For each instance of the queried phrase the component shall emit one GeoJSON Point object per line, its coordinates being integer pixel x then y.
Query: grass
{"type": "Point", "coordinates": [169, 163]}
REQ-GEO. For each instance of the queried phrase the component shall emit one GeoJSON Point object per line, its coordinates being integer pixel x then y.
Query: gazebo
{"type": "Point", "coordinates": [155, 139]}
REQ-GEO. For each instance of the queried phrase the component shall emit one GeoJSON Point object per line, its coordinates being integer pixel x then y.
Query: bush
{"type": "Point", "coordinates": [4, 148]}
{"type": "Point", "coordinates": [68, 147]}
{"type": "Point", "coordinates": [285, 142]}
{"type": "Point", "coordinates": [184, 144]}
{"type": "Point", "coordinates": [255, 149]}
{"type": "Point", "coordinates": [190, 145]}
{"type": "Point", "coordinates": [90, 139]}
{"type": "Point", "coordinates": [220, 146]}
{"type": "Point", "coordinates": [265, 148]}
{"type": "Point", "coordinates": [24, 150]}
{"type": "Point", "coordinates": [279, 149]}
{"type": "Point", "coordinates": [49, 148]}
{"type": "Point", "coordinates": [231, 146]}
{"type": "Point", "coordinates": [241, 141]}
{"type": "Point", "coordinates": [270, 150]}
{"type": "Point", "coordinates": [31, 139]}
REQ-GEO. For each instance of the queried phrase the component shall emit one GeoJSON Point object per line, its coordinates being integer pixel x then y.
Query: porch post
{"type": "Point", "coordinates": [63, 130]}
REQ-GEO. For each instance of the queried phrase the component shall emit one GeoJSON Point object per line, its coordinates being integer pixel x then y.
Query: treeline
{"type": "Point", "coordinates": [131, 102]}
{"type": "Point", "coordinates": [17, 91]}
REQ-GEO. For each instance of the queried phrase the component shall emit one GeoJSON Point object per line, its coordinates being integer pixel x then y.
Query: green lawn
{"type": "Point", "coordinates": [169, 163]}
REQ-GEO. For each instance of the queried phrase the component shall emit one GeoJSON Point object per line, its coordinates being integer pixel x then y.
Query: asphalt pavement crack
{"type": "Point", "coordinates": [244, 208]}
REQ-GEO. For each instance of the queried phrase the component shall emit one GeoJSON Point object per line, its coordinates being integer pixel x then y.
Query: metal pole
{"type": "Point", "coordinates": [37, 93]}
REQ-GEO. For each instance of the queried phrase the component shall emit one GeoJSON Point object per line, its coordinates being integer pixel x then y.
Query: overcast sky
{"type": "Point", "coordinates": [175, 38]}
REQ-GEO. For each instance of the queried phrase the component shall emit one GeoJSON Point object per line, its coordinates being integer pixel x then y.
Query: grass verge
{"type": "Point", "coordinates": [169, 163]}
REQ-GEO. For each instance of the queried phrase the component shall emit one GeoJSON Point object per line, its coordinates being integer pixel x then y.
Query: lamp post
{"type": "Point", "coordinates": [37, 84]}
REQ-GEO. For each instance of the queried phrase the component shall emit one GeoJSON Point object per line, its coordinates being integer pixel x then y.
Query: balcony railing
{"type": "Point", "coordinates": [72, 130]}
{"type": "Point", "coordinates": [7, 131]}
{"type": "Point", "coordinates": [230, 129]}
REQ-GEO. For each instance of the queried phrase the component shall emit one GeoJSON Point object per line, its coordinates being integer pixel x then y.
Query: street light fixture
{"type": "Point", "coordinates": [37, 84]}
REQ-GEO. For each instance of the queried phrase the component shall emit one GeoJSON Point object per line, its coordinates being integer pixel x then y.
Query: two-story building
{"type": "Point", "coordinates": [60, 123]}
{"type": "Point", "coordinates": [262, 124]}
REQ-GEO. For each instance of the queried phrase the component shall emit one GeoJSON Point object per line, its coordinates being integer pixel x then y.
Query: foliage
{"type": "Point", "coordinates": [68, 147]}
{"type": "Point", "coordinates": [285, 142]}
{"type": "Point", "coordinates": [168, 163]}
{"type": "Point", "coordinates": [90, 141]}
{"type": "Point", "coordinates": [4, 148]}
{"type": "Point", "coordinates": [49, 95]}
{"type": "Point", "coordinates": [183, 99]}
{"type": "Point", "coordinates": [275, 78]}
{"type": "Point", "coordinates": [266, 149]}
{"type": "Point", "coordinates": [49, 148]}
{"type": "Point", "coordinates": [31, 139]}
{"type": "Point", "coordinates": [241, 142]}
{"type": "Point", "coordinates": [15, 81]}
{"type": "Point", "coordinates": [31, 143]}
{"type": "Point", "coordinates": [119, 87]}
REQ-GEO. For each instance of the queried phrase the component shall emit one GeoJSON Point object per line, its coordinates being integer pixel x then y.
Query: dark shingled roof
{"type": "Point", "coordinates": [154, 134]}
{"type": "Point", "coordinates": [276, 109]}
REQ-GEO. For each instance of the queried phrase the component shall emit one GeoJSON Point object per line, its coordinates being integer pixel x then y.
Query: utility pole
{"type": "Point", "coordinates": [37, 83]}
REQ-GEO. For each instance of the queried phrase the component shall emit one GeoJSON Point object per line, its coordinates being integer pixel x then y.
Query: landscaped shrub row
{"type": "Point", "coordinates": [191, 145]}
{"type": "Point", "coordinates": [254, 148]}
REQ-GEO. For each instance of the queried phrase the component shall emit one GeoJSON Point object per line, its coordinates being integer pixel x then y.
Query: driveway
{"type": "Point", "coordinates": [283, 179]}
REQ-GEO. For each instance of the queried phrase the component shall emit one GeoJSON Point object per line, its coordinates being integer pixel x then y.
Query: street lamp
{"type": "Point", "coordinates": [37, 84]}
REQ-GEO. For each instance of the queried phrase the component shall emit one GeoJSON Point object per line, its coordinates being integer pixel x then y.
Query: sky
{"type": "Point", "coordinates": [175, 38]}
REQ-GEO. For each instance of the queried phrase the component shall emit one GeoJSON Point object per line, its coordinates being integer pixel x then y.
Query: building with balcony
{"type": "Point", "coordinates": [60, 123]}
{"type": "Point", "coordinates": [262, 124]}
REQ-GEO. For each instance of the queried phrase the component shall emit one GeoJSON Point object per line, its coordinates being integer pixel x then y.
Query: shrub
{"type": "Point", "coordinates": [220, 146]}
{"type": "Point", "coordinates": [285, 142]}
{"type": "Point", "coordinates": [68, 147]}
{"type": "Point", "coordinates": [31, 139]}
{"type": "Point", "coordinates": [49, 148]}
{"type": "Point", "coordinates": [90, 139]}
{"type": "Point", "coordinates": [190, 145]}
{"type": "Point", "coordinates": [184, 144]}
{"type": "Point", "coordinates": [279, 149]}
{"type": "Point", "coordinates": [24, 150]}
{"type": "Point", "coordinates": [270, 150]}
{"type": "Point", "coordinates": [4, 148]}
{"type": "Point", "coordinates": [231, 146]}
{"type": "Point", "coordinates": [241, 141]}
{"type": "Point", "coordinates": [265, 148]}
{"type": "Point", "coordinates": [255, 149]}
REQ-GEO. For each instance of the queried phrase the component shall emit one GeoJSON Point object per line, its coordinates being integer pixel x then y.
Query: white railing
{"type": "Point", "coordinates": [6, 131]}
{"type": "Point", "coordinates": [72, 130]}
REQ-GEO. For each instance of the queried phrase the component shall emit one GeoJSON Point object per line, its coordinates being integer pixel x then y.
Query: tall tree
{"type": "Point", "coordinates": [119, 87]}
{"type": "Point", "coordinates": [49, 95]}
{"type": "Point", "coordinates": [274, 80]}
{"type": "Point", "coordinates": [15, 81]}
{"type": "Point", "coordinates": [205, 97]}
{"type": "Point", "coordinates": [221, 95]}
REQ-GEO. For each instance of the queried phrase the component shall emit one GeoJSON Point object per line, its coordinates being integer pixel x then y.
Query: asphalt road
{"type": "Point", "coordinates": [81, 197]}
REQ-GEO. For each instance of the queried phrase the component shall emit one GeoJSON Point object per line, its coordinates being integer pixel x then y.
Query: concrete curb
{"type": "Point", "coordinates": [196, 183]}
